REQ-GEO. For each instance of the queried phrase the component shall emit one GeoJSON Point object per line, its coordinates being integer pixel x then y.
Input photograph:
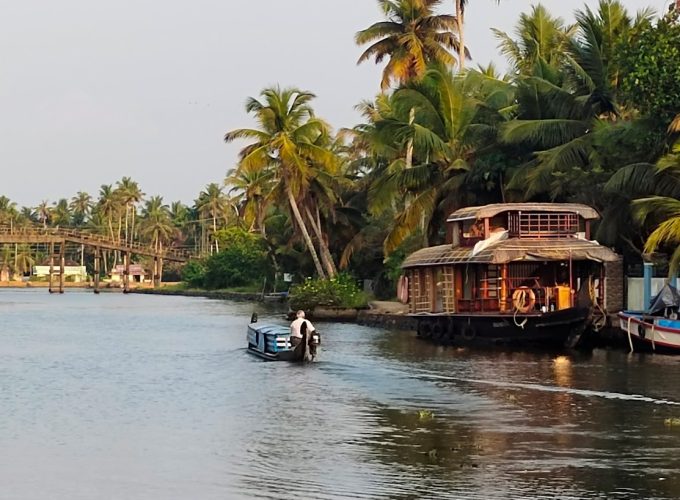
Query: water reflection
{"type": "Point", "coordinates": [155, 397]}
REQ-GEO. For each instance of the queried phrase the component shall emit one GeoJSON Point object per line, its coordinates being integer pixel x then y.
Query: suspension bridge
{"type": "Point", "coordinates": [56, 240]}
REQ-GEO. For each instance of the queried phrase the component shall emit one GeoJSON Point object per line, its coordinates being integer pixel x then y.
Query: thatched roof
{"type": "Point", "coordinates": [513, 250]}
{"type": "Point", "coordinates": [485, 211]}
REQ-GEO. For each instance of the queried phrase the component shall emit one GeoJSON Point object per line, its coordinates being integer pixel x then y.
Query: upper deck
{"type": "Point", "coordinates": [470, 225]}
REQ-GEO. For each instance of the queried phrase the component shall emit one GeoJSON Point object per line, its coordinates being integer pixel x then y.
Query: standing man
{"type": "Point", "coordinates": [295, 333]}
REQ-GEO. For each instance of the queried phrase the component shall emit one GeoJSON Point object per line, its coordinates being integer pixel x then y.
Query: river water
{"type": "Point", "coordinates": [148, 397]}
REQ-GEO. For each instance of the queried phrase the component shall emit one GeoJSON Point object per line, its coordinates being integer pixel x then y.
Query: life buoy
{"type": "Point", "coordinates": [468, 332]}
{"type": "Point", "coordinates": [642, 332]}
{"type": "Point", "coordinates": [402, 289]}
{"type": "Point", "coordinates": [523, 299]}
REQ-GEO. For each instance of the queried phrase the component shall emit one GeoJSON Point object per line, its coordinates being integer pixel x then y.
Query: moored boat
{"type": "Point", "coordinates": [273, 343]}
{"type": "Point", "coordinates": [657, 329]}
{"type": "Point", "coordinates": [516, 274]}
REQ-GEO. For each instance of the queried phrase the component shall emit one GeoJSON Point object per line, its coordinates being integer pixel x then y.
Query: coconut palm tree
{"type": "Point", "coordinates": [541, 40]}
{"type": "Point", "coordinates": [61, 213]}
{"type": "Point", "coordinates": [252, 188]}
{"type": "Point", "coordinates": [564, 111]}
{"type": "Point", "coordinates": [212, 203]}
{"type": "Point", "coordinates": [156, 225]}
{"type": "Point", "coordinates": [43, 213]}
{"type": "Point", "coordinates": [291, 143]}
{"type": "Point", "coordinates": [130, 194]}
{"type": "Point", "coordinates": [412, 37]}
{"type": "Point", "coordinates": [81, 205]}
{"type": "Point", "coordinates": [456, 117]}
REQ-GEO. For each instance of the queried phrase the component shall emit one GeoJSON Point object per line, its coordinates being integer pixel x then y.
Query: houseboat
{"type": "Point", "coordinates": [515, 274]}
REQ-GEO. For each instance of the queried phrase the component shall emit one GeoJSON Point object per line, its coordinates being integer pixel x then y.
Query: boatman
{"type": "Point", "coordinates": [296, 325]}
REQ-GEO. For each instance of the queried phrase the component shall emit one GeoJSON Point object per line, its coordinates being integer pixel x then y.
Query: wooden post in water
{"type": "Point", "coordinates": [126, 272]}
{"type": "Point", "coordinates": [51, 267]}
{"type": "Point", "coordinates": [62, 263]}
{"type": "Point", "coordinates": [97, 254]}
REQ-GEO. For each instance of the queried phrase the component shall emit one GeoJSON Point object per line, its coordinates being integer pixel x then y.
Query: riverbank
{"type": "Point", "coordinates": [209, 294]}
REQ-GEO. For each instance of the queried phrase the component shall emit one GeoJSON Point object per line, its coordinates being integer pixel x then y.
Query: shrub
{"type": "Point", "coordinates": [242, 261]}
{"type": "Point", "coordinates": [193, 273]}
{"type": "Point", "coordinates": [341, 291]}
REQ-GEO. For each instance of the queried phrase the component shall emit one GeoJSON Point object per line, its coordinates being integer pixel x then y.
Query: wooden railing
{"type": "Point", "coordinates": [35, 234]}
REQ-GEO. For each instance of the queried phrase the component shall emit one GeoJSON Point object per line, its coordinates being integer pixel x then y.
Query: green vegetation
{"type": "Point", "coordinates": [340, 291]}
{"type": "Point", "coordinates": [588, 113]}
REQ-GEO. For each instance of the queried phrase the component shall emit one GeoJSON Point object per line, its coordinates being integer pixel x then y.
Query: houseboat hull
{"type": "Point", "coordinates": [650, 333]}
{"type": "Point", "coordinates": [551, 329]}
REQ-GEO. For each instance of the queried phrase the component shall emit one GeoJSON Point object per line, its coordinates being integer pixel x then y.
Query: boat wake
{"type": "Point", "coordinates": [552, 388]}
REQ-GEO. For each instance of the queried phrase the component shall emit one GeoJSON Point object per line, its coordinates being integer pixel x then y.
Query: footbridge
{"type": "Point", "coordinates": [56, 240]}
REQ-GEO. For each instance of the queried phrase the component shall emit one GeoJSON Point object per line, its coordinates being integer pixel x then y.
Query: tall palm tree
{"type": "Point", "coordinates": [43, 212]}
{"type": "Point", "coordinates": [460, 29]}
{"type": "Point", "coordinates": [61, 213]}
{"type": "Point", "coordinates": [81, 205]}
{"type": "Point", "coordinates": [130, 194]}
{"type": "Point", "coordinates": [456, 117]}
{"type": "Point", "coordinates": [212, 203]}
{"type": "Point", "coordinates": [156, 223]}
{"type": "Point", "coordinates": [292, 144]}
{"type": "Point", "coordinates": [412, 37]}
{"type": "Point", "coordinates": [252, 188]}
{"type": "Point", "coordinates": [540, 40]}
{"type": "Point", "coordinates": [564, 111]}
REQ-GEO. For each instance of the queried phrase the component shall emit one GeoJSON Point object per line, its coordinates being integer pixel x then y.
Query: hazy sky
{"type": "Point", "coordinates": [91, 91]}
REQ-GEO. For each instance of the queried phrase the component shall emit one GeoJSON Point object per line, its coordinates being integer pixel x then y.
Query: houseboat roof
{"type": "Point", "coordinates": [512, 250]}
{"type": "Point", "coordinates": [486, 211]}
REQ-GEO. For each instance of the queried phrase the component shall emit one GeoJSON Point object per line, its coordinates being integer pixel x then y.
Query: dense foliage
{"type": "Point", "coordinates": [340, 291]}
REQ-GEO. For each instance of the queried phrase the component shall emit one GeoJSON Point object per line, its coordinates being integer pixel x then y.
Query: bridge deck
{"type": "Point", "coordinates": [58, 235]}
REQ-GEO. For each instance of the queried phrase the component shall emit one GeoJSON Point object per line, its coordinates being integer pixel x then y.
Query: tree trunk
{"type": "Point", "coordinates": [303, 228]}
{"type": "Point", "coordinates": [409, 145]}
{"type": "Point", "coordinates": [217, 245]}
{"type": "Point", "coordinates": [461, 35]}
{"type": "Point", "coordinates": [326, 256]}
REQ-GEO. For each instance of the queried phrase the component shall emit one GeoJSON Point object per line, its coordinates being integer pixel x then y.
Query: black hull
{"type": "Point", "coordinates": [547, 330]}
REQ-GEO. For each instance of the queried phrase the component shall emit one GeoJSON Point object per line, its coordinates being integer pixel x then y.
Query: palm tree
{"type": "Point", "coordinates": [43, 212]}
{"type": "Point", "coordinates": [60, 213]}
{"type": "Point", "coordinates": [130, 194]}
{"type": "Point", "coordinates": [565, 111]}
{"type": "Point", "coordinates": [81, 205]}
{"type": "Point", "coordinates": [212, 203]}
{"type": "Point", "coordinates": [541, 41]}
{"type": "Point", "coordinates": [252, 188]}
{"type": "Point", "coordinates": [412, 37]}
{"type": "Point", "coordinates": [156, 225]}
{"type": "Point", "coordinates": [455, 119]}
{"type": "Point", "coordinates": [291, 143]}
{"type": "Point", "coordinates": [460, 29]}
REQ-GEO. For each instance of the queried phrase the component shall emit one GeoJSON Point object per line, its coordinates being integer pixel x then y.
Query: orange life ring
{"type": "Point", "coordinates": [523, 299]}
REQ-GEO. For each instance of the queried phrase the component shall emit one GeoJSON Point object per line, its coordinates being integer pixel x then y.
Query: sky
{"type": "Point", "coordinates": [92, 91]}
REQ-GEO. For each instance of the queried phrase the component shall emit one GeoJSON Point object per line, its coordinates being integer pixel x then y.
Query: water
{"type": "Point", "coordinates": [148, 397]}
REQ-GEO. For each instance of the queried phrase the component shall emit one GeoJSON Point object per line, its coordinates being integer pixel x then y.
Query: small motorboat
{"type": "Point", "coordinates": [273, 342]}
{"type": "Point", "coordinates": [656, 329]}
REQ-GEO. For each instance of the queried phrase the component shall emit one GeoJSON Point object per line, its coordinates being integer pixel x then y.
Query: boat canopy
{"type": "Point", "coordinates": [513, 250]}
{"type": "Point", "coordinates": [488, 211]}
{"type": "Point", "coordinates": [667, 298]}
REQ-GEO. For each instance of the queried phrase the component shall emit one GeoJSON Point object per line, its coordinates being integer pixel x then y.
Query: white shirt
{"type": "Point", "coordinates": [297, 324]}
